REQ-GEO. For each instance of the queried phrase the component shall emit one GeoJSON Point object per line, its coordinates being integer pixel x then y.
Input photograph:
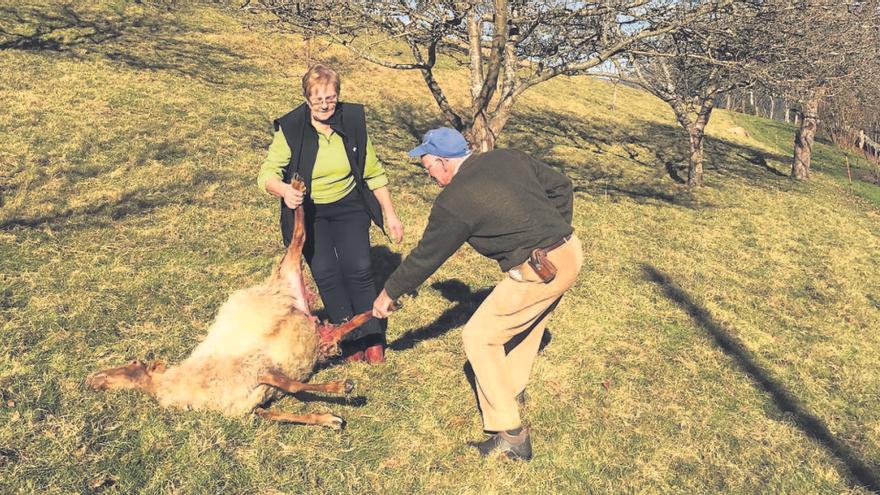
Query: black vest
{"type": "Point", "coordinates": [350, 123]}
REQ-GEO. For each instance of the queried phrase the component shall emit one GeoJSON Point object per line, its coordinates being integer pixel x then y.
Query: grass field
{"type": "Point", "coordinates": [722, 340]}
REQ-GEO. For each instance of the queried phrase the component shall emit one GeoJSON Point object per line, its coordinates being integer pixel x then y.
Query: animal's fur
{"type": "Point", "coordinates": [260, 334]}
{"type": "Point", "coordinates": [255, 331]}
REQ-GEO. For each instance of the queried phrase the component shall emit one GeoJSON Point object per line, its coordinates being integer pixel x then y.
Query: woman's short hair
{"type": "Point", "coordinates": [319, 75]}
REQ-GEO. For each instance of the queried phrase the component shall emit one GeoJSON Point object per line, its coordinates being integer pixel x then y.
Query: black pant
{"type": "Point", "coordinates": [337, 250]}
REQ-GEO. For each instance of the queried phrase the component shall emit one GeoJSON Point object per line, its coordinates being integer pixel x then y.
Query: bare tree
{"type": "Point", "coordinates": [852, 109]}
{"type": "Point", "coordinates": [507, 45]}
{"type": "Point", "coordinates": [811, 51]}
{"type": "Point", "coordinates": [691, 67]}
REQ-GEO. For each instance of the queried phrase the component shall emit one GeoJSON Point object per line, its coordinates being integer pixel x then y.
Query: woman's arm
{"type": "Point", "coordinates": [392, 221]}
{"type": "Point", "coordinates": [278, 188]}
{"type": "Point", "coordinates": [270, 174]}
{"type": "Point", "coordinates": [377, 181]}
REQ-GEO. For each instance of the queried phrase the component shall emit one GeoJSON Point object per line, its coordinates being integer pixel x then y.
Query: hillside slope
{"type": "Point", "coordinates": [718, 340]}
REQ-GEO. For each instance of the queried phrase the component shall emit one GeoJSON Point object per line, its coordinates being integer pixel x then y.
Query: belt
{"type": "Point", "coordinates": [516, 272]}
{"type": "Point", "coordinates": [558, 243]}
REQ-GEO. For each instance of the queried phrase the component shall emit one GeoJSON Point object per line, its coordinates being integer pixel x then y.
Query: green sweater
{"type": "Point", "coordinates": [331, 178]}
{"type": "Point", "coordinates": [503, 203]}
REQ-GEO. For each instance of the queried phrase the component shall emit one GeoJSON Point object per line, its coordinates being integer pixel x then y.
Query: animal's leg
{"type": "Point", "coordinates": [290, 271]}
{"type": "Point", "coordinates": [328, 420]}
{"type": "Point", "coordinates": [330, 335]}
{"type": "Point", "coordinates": [299, 224]}
{"type": "Point", "coordinates": [282, 382]}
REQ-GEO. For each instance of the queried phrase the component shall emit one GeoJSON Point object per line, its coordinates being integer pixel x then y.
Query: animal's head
{"type": "Point", "coordinates": [135, 374]}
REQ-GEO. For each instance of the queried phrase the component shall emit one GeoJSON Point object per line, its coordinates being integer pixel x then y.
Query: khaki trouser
{"type": "Point", "coordinates": [519, 303]}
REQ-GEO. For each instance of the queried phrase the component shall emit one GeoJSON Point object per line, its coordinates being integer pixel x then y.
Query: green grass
{"type": "Point", "coordinates": [718, 340]}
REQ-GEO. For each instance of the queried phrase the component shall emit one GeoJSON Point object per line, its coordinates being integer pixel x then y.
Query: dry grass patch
{"type": "Point", "coordinates": [129, 213]}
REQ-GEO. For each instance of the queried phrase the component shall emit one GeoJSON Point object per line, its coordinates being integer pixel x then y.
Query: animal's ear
{"type": "Point", "coordinates": [157, 366]}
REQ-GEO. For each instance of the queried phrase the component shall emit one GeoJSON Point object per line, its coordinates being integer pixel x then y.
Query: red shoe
{"type": "Point", "coordinates": [375, 354]}
{"type": "Point", "coordinates": [355, 357]}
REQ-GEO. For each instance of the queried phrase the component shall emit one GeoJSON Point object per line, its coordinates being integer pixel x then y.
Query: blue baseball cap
{"type": "Point", "coordinates": [443, 142]}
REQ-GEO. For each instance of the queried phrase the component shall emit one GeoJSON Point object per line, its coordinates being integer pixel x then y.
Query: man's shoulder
{"type": "Point", "coordinates": [497, 163]}
{"type": "Point", "coordinates": [457, 194]}
{"type": "Point", "coordinates": [501, 156]}
{"type": "Point", "coordinates": [477, 174]}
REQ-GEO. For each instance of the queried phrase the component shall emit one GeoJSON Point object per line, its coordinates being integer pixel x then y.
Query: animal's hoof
{"type": "Point", "coordinates": [336, 423]}
{"type": "Point", "coordinates": [95, 381]}
{"type": "Point", "coordinates": [349, 385]}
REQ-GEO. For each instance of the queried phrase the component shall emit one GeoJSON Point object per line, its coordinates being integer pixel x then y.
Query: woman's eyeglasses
{"type": "Point", "coordinates": [317, 102]}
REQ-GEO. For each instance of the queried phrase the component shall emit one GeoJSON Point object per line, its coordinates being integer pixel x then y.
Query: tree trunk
{"type": "Point", "coordinates": [772, 107]}
{"type": "Point", "coordinates": [803, 140]}
{"type": "Point", "coordinates": [695, 159]}
{"type": "Point", "coordinates": [695, 130]}
{"type": "Point", "coordinates": [476, 52]}
{"type": "Point", "coordinates": [480, 135]}
{"type": "Point", "coordinates": [614, 96]}
{"type": "Point", "coordinates": [477, 133]}
{"type": "Point", "coordinates": [486, 75]}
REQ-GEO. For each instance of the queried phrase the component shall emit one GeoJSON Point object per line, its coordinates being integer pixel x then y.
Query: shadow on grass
{"type": "Point", "coordinates": [466, 303]}
{"type": "Point", "coordinates": [644, 161]}
{"type": "Point", "coordinates": [402, 125]}
{"type": "Point", "coordinates": [149, 41]}
{"type": "Point", "coordinates": [407, 121]}
{"type": "Point", "coordinates": [383, 261]}
{"type": "Point", "coordinates": [811, 425]}
{"type": "Point", "coordinates": [29, 28]}
{"type": "Point", "coordinates": [356, 401]}
{"type": "Point", "coordinates": [9, 456]}
{"type": "Point", "coordinates": [761, 161]}
{"type": "Point", "coordinates": [131, 202]}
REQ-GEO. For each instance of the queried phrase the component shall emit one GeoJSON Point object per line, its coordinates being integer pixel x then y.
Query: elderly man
{"type": "Point", "coordinates": [517, 211]}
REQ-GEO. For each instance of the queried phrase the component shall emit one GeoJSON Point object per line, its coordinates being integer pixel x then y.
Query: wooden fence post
{"type": "Point", "coordinates": [848, 171]}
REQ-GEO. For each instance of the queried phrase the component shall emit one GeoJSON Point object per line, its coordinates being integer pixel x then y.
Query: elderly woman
{"type": "Point", "coordinates": [325, 141]}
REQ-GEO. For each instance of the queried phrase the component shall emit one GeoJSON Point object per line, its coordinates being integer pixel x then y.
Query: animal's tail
{"type": "Point", "coordinates": [330, 335]}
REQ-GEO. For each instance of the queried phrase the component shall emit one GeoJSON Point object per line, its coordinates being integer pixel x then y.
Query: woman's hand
{"type": "Point", "coordinates": [292, 197]}
{"type": "Point", "coordinates": [395, 227]}
{"type": "Point", "coordinates": [292, 194]}
{"type": "Point", "coordinates": [393, 224]}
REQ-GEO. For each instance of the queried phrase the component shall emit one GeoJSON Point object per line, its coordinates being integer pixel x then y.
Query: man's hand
{"type": "Point", "coordinates": [292, 196]}
{"type": "Point", "coordinates": [383, 305]}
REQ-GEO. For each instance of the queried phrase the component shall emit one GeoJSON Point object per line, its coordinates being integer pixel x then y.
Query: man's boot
{"type": "Point", "coordinates": [516, 446]}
